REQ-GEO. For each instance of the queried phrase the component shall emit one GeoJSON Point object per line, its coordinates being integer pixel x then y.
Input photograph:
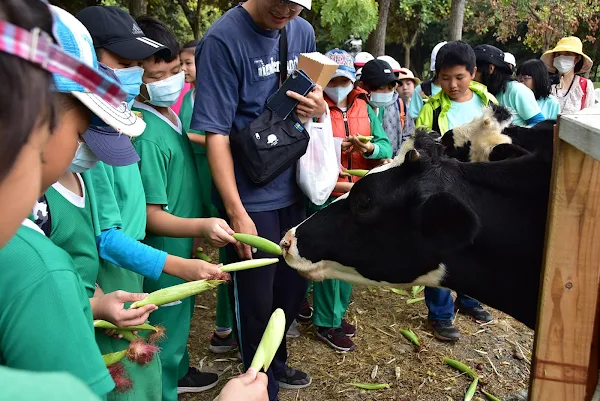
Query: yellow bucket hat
{"type": "Point", "coordinates": [569, 44]}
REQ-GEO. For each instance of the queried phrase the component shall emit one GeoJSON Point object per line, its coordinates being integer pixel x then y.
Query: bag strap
{"type": "Point", "coordinates": [283, 55]}
{"type": "Point", "coordinates": [402, 112]}
{"type": "Point", "coordinates": [426, 87]}
{"type": "Point", "coordinates": [583, 83]}
{"type": "Point", "coordinates": [435, 126]}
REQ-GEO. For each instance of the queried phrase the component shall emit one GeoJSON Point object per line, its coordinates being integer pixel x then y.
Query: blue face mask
{"type": "Point", "coordinates": [338, 93]}
{"type": "Point", "coordinates": [84, 159]}
{"type": "Point", "coordinates": [166, 92]}
{"type": "Point", "coordinates": [381, 100]}
{"type": "Point", "coordinates": [131, 80]}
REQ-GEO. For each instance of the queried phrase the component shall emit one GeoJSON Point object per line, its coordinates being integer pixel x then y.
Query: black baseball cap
{"type": "Point", "coordinates": [115, 30]}
{"type": "Point", "coordinates": [491, 55]}
{"type": "Point", "coordinates": [377, 73]}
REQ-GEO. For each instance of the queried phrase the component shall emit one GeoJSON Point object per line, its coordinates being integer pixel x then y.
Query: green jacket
{"type": "Point", "coordinates": [442, 100]}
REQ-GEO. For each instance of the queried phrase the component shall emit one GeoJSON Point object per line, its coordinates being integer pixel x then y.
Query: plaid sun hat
{"type": "Point", "coordinates": [75, 39]}
{"type": "Point", "coordinates": [346, 64]}
{"type": "Point", "coordinates": [38, 48]}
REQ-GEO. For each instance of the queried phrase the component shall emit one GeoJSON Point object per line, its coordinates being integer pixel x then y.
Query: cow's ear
{"type": "Point", "coordinates": [447, 222]}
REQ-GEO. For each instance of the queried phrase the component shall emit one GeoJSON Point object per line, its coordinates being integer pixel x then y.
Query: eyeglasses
{"type": "Point", "coordinates": [290, 4]}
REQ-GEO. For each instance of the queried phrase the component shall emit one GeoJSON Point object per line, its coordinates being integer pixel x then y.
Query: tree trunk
{"type": "Point", "coordinates": [137, 8]}
{"type": "Point", "coordinates": [376, 41]}
{"type": "Point", "coordinates": [196, 23]}
{"type": "Point", "coordinates": [457, 15]}
{"type": "Point", "coordinates": [407, 47]}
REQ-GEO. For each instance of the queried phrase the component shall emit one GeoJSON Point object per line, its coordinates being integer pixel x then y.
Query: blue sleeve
{"type": "Point", "coordinates": [538, 118]}
{"type": "Point", "coordinates": [120, 249]}
{"type": "Point", "coordinates": [217, 87]}
{"type": "Point", "coordinates": [524, 102]}
{"type": "Point", "coordinates": [416, 103]}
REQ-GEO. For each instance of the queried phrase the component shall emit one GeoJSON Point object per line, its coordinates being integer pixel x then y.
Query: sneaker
{"type": "Point", "coordinates": [336, 338]}
{"type": "Point", "coordinates": [293, 379]}
{"type": "Point", "coordinates": [196, 381]}
{"type": "Point", "coordinates": [444, 330]}
{"type": "Point", "coordinates": [221, 345]}
{"type": "Point", "coordinates": [348, 329]}
{"type": "Point", "coordinates": [293, 331]}
{"type": "Point", "coordinates": [478, 313]}
{"type": "Point", "coordinates": [306, 313]}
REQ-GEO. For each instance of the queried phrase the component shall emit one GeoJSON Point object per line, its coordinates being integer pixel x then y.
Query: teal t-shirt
{"type": "Point", "coordinates": [40, 286]}
{"type": "Point", "coordinates": [549, 106]}
{"type": "Point", "coordinates": [463, 112]}
{"type": "Point", "coordinates": [185, 115]}
{"type": "Point", "coordinates": [521, 102]}
{"type": "Point", "coordinates": [169, 175]}
{"type": "Point", "coordinates": [416, 101]}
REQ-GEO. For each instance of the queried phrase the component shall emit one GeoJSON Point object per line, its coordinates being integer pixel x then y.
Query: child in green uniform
{"type": "Point", "coordinates": [173, 199]}
{"type": "Point", "coordinates": [222, 339]}
{"type": "Point", "coordinates": [39, 281]}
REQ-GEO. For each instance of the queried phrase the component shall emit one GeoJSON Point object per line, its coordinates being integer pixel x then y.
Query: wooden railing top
{"type": "Point", "coordinates": [582, 130]}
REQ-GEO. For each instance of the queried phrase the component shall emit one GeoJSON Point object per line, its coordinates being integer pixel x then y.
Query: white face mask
{"type": "Point", "coordinates": [380, 100]}
{"type": "Point", "coordinates": [339, 93]}
{"type": "Point", "coordinates": [564, 64]}
{"type": "Point", "coordinates": [84, 159]}
{"type": "Point", "coordinates": [166, 92]}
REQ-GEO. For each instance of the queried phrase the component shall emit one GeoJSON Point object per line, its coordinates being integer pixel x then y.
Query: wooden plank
{"type": "Point", "coordinates": [594, 364]}
{"type": "Point", "coordinates": [582, 130]}
{"type": "Point", "coordinates": [569, 288]}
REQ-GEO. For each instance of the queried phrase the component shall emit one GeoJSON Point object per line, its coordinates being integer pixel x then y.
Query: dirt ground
{"type": "Point", "coordinates": [501, 351]}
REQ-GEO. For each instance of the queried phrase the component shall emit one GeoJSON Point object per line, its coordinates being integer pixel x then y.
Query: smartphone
{"type": "Point", "coordinates": [281, 103]}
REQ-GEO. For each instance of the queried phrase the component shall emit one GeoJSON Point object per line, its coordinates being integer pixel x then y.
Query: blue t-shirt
{"type": "Point", "coordinates": [549, 106]}
{"type": "Point", "coordinates": [237, 66]}
{"type": "Point", "coordinates": [521, 102]}
{"type": "Point", "coordinates": [463, 112]}
{"type": "Point", "coordinates": [416, 101]}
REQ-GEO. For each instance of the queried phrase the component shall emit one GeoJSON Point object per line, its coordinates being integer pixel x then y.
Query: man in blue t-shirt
{"type": "Point", "coordinates": [237, 65]}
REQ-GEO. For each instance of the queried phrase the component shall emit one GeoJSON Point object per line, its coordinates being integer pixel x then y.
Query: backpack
{"type": "Point", "coordinates": [426, 89]}
{"type": "Point", "coordinates": [583, 83]}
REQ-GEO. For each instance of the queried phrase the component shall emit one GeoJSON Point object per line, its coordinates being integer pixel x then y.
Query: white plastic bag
{"type": "Point", "coordinates": [318, 169]}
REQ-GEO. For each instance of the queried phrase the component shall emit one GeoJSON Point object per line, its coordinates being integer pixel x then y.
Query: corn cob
{"type": "Point", "coordinates": [270, 341]}
{"type": "Point", "coordinates": [398, 291]}
{"type": "Point", "coordinates": [103, 324]}
{"type": "Point", "coordinates": [248, 264]}
{"type": "Point", "coordinates": [364, 139]}
{"type": "Point", "coordinates": [490, 396]}
{"type": "Point", "coordinates": [357, 173]}
{"type": "Point", "coordinates": [176, 293]}
{"type": "Point", "coordinates": [369, 386]}
{"type": "Point", "coordinates": [262, 244]}
{"type": "Point", "coordinates": [112, 358]}
{"type": "Point", "coordinates": [202, 256]}
{"type": "Point", "coordinates": [471, 390]}
{"type": "Point", "coordinates": [411, 336]}
{"type": "Point", "coordinates": [414, 300]}
{"type": "Point", "coordinates": [461, 367]}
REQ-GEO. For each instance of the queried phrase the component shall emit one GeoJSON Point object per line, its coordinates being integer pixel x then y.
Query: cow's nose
{"type": "Point", "coordinates": [286, 242]}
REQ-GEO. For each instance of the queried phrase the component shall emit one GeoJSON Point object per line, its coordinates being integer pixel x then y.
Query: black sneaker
{"type": "Point", "coordinates": [306, 313]}
{"type": "Point", "coordinates": [195, 381]}
{"type": "Point", "coordinates": [294, 379]}
{"type": "Point", "coordinates": [221, 345]}
{"type": "Point", "coordinates": [444, 330]}
{"type": "Point", "coordinates": [336, 338]}
{"type": "Point", "coordinates": [478, 313]}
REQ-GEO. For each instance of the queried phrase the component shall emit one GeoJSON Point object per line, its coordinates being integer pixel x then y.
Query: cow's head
{"type": "Point", "coordinates": [395, 226]}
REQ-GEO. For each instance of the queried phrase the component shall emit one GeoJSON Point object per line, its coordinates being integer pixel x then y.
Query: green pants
{"type": "Point", "coordinates": [330, 302]}
{"type": "Point", "coordinates": [224, 309]}
{"type": "Point", "coordinates": [176, 319]}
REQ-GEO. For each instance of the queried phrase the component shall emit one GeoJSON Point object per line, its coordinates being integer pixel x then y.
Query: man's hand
{"type": "Point", "coordinates": [311, 105]}
{"type": "Point", "coordinates": [111, 307]}
{"type": "Point", "coordinates": [243, 224]}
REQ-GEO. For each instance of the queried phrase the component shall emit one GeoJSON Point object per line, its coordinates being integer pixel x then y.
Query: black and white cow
{"type": "Point", "coordinates": [427, 219]}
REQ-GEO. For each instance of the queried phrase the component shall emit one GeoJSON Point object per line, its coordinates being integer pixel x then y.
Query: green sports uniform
{"type": "Point", "coordinates": [40, 286]}
{"type": "Point", "coordinates": [331, 298]}
{"type": "Point", "coordinates": [72, 229]}
{"type": "Point", "coordinates": [185, 114]}
{"type": "Point", "coordinates": [17, 385]}
{"type": "Point", "coordinates": [122, 186]}
{"type": "Point", "coordinates": [171, 180]}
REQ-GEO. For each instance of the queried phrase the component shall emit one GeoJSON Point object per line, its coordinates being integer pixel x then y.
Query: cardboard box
{"type": "Point", "coordinates": [318, 67]}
